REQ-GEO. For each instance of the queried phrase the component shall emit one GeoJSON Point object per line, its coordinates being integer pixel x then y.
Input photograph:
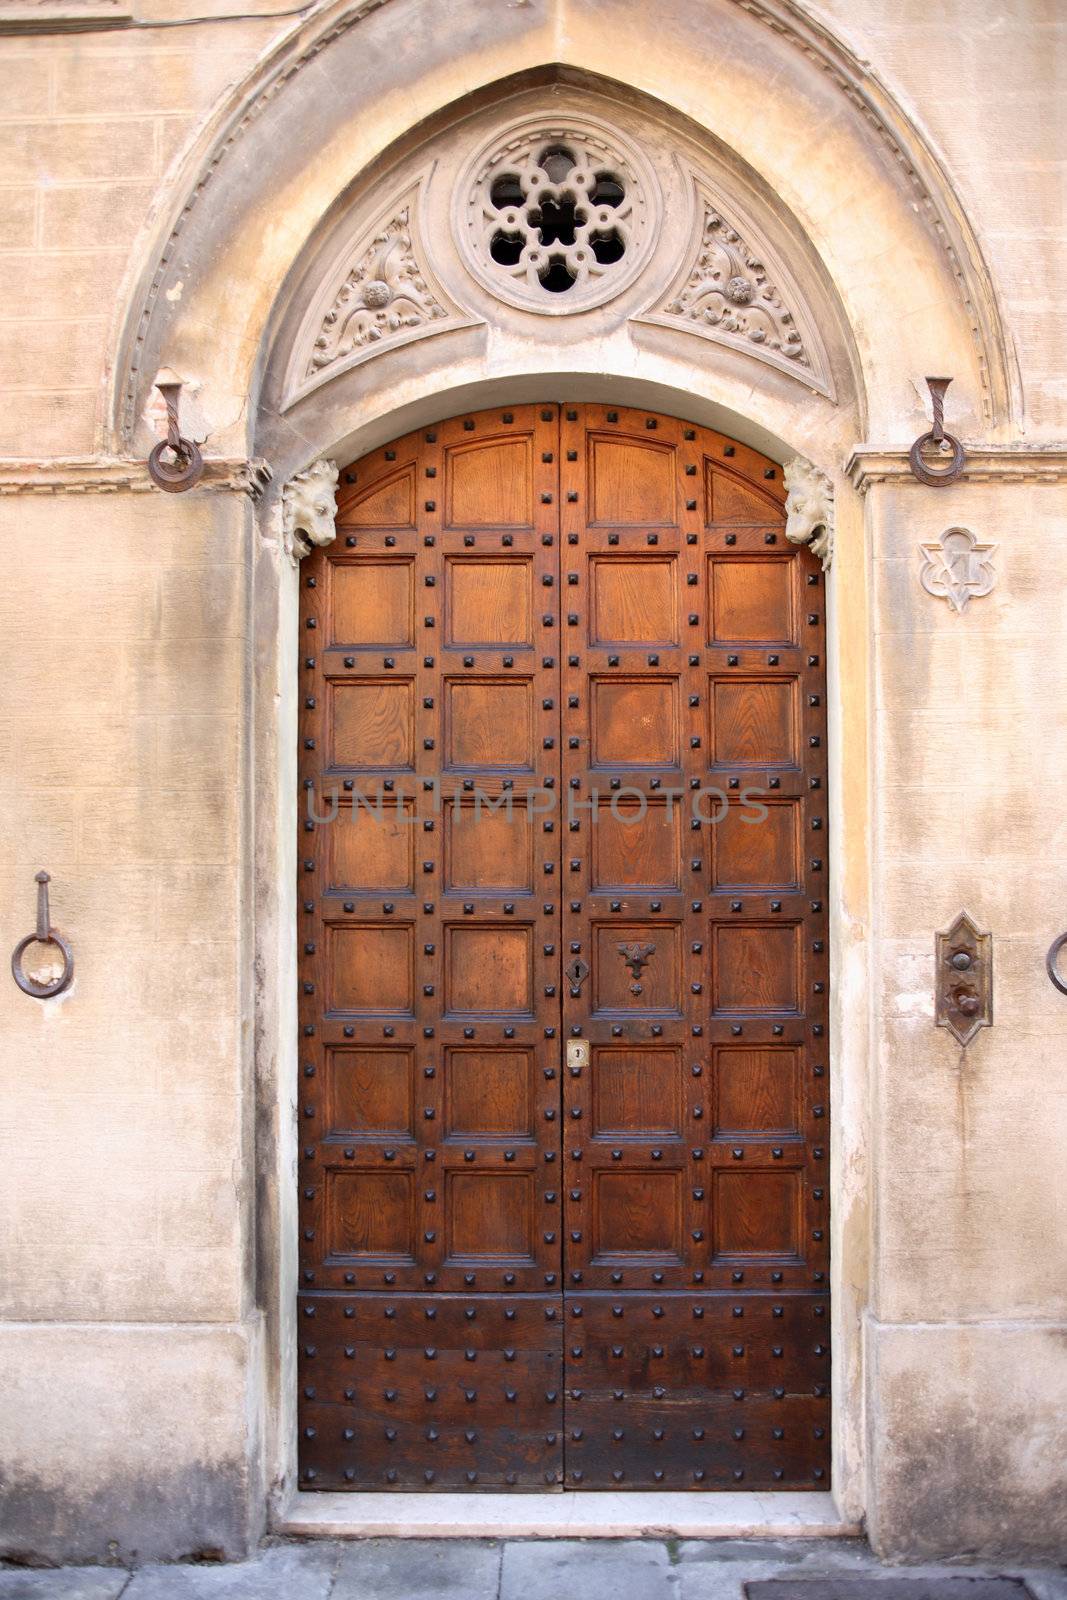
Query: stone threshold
{"type": "Point", "coordinates": [592, 1515]}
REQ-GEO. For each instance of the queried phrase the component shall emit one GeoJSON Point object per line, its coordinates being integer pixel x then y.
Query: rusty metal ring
{"type": "Point", "coordinates": [1050, 963]}
{"type": "Point", "coordinates": [937, 478]}
{"type": "Point", "coordinates": [186, 469]}
{"type": "Point", "coordinates": [42, 991]}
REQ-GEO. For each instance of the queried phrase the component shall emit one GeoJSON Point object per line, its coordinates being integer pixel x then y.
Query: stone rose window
{"type": "Point", "coordinates": [557, 217]}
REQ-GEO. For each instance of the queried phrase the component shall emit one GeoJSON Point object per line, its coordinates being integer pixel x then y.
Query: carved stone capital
{"type": "Point", "coordinates": [309, 507]}
{"type": "Point", "coordinates": [809, 508]}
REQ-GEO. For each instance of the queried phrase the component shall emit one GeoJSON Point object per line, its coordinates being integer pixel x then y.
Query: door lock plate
{"type": "Point", "coordinates": [577, 1052]}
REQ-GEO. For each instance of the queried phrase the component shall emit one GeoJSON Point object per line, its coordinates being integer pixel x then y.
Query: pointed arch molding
{"type": "Point", "coordinates": [733, 288]}
{"type": "Point", "coordinates": [150, 294]}
{"type": "Point", "coordinates": [379, 292]}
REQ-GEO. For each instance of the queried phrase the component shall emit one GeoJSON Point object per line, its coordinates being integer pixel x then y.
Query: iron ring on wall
{"type": "Point", "coordinates": [1050, 963]}
{"type": "Point", "coordinates": [28, 985]}
{"type": "Point", "coordinates": [937, 477]}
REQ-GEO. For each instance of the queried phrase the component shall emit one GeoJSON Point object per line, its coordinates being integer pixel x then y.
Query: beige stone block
{"type": "Point", "coordinates": [92, 216]}
{"type": "Point", "coordinates": [26, 85]}
{"type": "Point", "coordinates": [130, 1441]}
{"type": "Point", "coordinates": [73, 751]}
{"type": "Point", "coordinates": [968, 1440]}
{"type": "Point", "coordinates": [134, 827]}
{"type": "Point", "coordinates": [58, 150]}
{"type": "Point", "coordinates": [185, 676]}
{"type": "Point", "coordinates": [51, 354]}
{"type": "Point", "coordinates": [198, 749]}
{"type": "Point", "coordinates": [141, 1282]}
{"type": "Point", "coordinates": [144, 531]}
{"type": "Point", "coordinates": [34, 425]}
{"type": "Point", "coordinates": [102, 1207]}
{"type": "Point", "coordinates": [195, 604]}
{"type": "Point", "coordinates": [18, 218]}
{"type": "Point", "coordinates": [196, 904]}
{"type": "Point", "coordinates": [927, 895]}
{"type": "Point", "coordinates": [917, 824]}
{"type": "Point", "coordinates": [79, 282]}
{"type": "Point", "coordinates": [103, 82]}
{"type": "Point", "coordinates": [38, 827]}
{"type": "Point", "coordinates": [199, 1211]}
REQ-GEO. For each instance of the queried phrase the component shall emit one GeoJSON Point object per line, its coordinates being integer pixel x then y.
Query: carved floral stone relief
{"type": "Point", "coordinates": [733, 290]}
{"type": "Point", "coordinates": [379, 293]}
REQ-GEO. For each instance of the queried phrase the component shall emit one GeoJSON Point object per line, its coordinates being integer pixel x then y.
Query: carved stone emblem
{"type": "Point", "coordinates": [732, 290]}
{"type": "Point", "coordinates": [957, 568]}
{"type": "Point", "coordinates": [809, 508]}
{"type": "Point", "coordinates": [379, 293]}
{"type": "Point", "coordinates": [309, 506]}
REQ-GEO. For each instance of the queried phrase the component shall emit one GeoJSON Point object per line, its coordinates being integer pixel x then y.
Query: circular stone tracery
{"type": "Point", "coordinates": [557, 217]}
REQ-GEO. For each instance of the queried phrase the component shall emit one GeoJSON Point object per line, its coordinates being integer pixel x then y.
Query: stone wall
{"type": "Point", "coordinates": [146, 644]}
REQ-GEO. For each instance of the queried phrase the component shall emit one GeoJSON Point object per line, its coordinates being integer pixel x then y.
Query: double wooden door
{"type": "Point", "coordinates": [562, 921]}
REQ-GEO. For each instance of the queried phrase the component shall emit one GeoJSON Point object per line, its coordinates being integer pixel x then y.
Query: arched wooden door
{"type": "Point", "coordinates": [563, 1132]}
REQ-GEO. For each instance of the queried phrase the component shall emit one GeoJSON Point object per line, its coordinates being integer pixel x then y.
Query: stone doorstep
{"type": "Point", "coordinates": [593, 1515]}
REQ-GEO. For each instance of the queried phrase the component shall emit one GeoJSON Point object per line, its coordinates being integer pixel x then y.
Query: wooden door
{"type": "Point", "coordinates": [564, 1143]}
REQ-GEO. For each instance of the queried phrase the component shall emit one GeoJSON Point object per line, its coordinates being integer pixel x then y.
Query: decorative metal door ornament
{"type": "Point", "coordinates": [957, 568]}
{"type": "Point", "coordinates": [945, 443]}
{"type": "Point", "coordinates": [964, 979]}
{"type": "Point", "coordinates": [809, 508]}
{"type": "Point", "coordinates": [43, 934]}
{"type": "Point", "coordinates": [175, 464]}
{"type": "Point", "coordinates": [636, 957]}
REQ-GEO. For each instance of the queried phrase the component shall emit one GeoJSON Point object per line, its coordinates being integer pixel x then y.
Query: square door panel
{"type": "Point", "coordinates": [488, 601]}
{"type": "Point", "coordinates": [488, 850]}
{"type": "Point", "coordinates": [489, 724]}
{"type": "Point", "coordinates": [756, 1089]}
{"type": "Point", "coordinates": [370, 1092]}
{"type": "Point", "coordinates": [488, 1094]}
{"type": "Point", "coordinates": [489, 484]}
{"type": "Point", "coordinates": [750, 851]}
{"type": "Point", "coordinates": [490, 1216]}
{"type": "Point", "coordinates": [372, 723]}
{"type": "Point", "coordinates": [369, 1213]}
{"type": "Point", "coordinates": [372, 847]}
{"type": "Point", "coordinates": [488, 968]}
{"type": "Point", "coordinates": [633, 600]}
{"type": "Point", "coordinates": [756, 1213]}
{"type": "Point", "coordinates": [635, 722]}
{"type": "Point", "coordinates": [637, 1092]}
{"type": "Point", "coordinates": [631, 482]}
{"type": "Point", "coordinates": [372, 602]}
{"type": "Point", "coordinates": [370, 967]}
{"type": "Point", "coordinates": [754, 721]}
{"type": "Point", "coordinates": [637, 1214]}
{"type": "Point", "coordinates": [657, 987]}
{"type": "Point", "coordinates": [755, 967]}
{"type": "Point", "coordinates": [636, 845]}
{"type": "Point", "coordinates": [752, 600]}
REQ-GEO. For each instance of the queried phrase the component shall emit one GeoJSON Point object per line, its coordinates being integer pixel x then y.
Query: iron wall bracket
{"type": "Point", "coordinates": [963, 977]}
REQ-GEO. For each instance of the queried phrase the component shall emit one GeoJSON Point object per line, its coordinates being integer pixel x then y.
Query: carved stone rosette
{"type": "Point", "coordinates": [309, 509]}
{"type": "Point", "coordinates": [809, 508]}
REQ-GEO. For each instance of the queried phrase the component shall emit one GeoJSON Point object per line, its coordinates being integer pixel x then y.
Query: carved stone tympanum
{"type": "Point", "coordinates": [809, 508]}
{"type": "Point", "coordinates": [309, 506]}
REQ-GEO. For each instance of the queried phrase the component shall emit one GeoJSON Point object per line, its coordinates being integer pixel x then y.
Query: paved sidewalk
{"type": "Point", "coordinates": [511, 1569]}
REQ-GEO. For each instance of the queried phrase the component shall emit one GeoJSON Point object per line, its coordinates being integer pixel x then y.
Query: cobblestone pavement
{"type": "Point", "coordinates": [509, 1569]}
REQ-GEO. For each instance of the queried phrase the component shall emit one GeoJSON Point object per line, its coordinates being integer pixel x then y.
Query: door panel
{"type": "Point", "coordinates": [565, 677]}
